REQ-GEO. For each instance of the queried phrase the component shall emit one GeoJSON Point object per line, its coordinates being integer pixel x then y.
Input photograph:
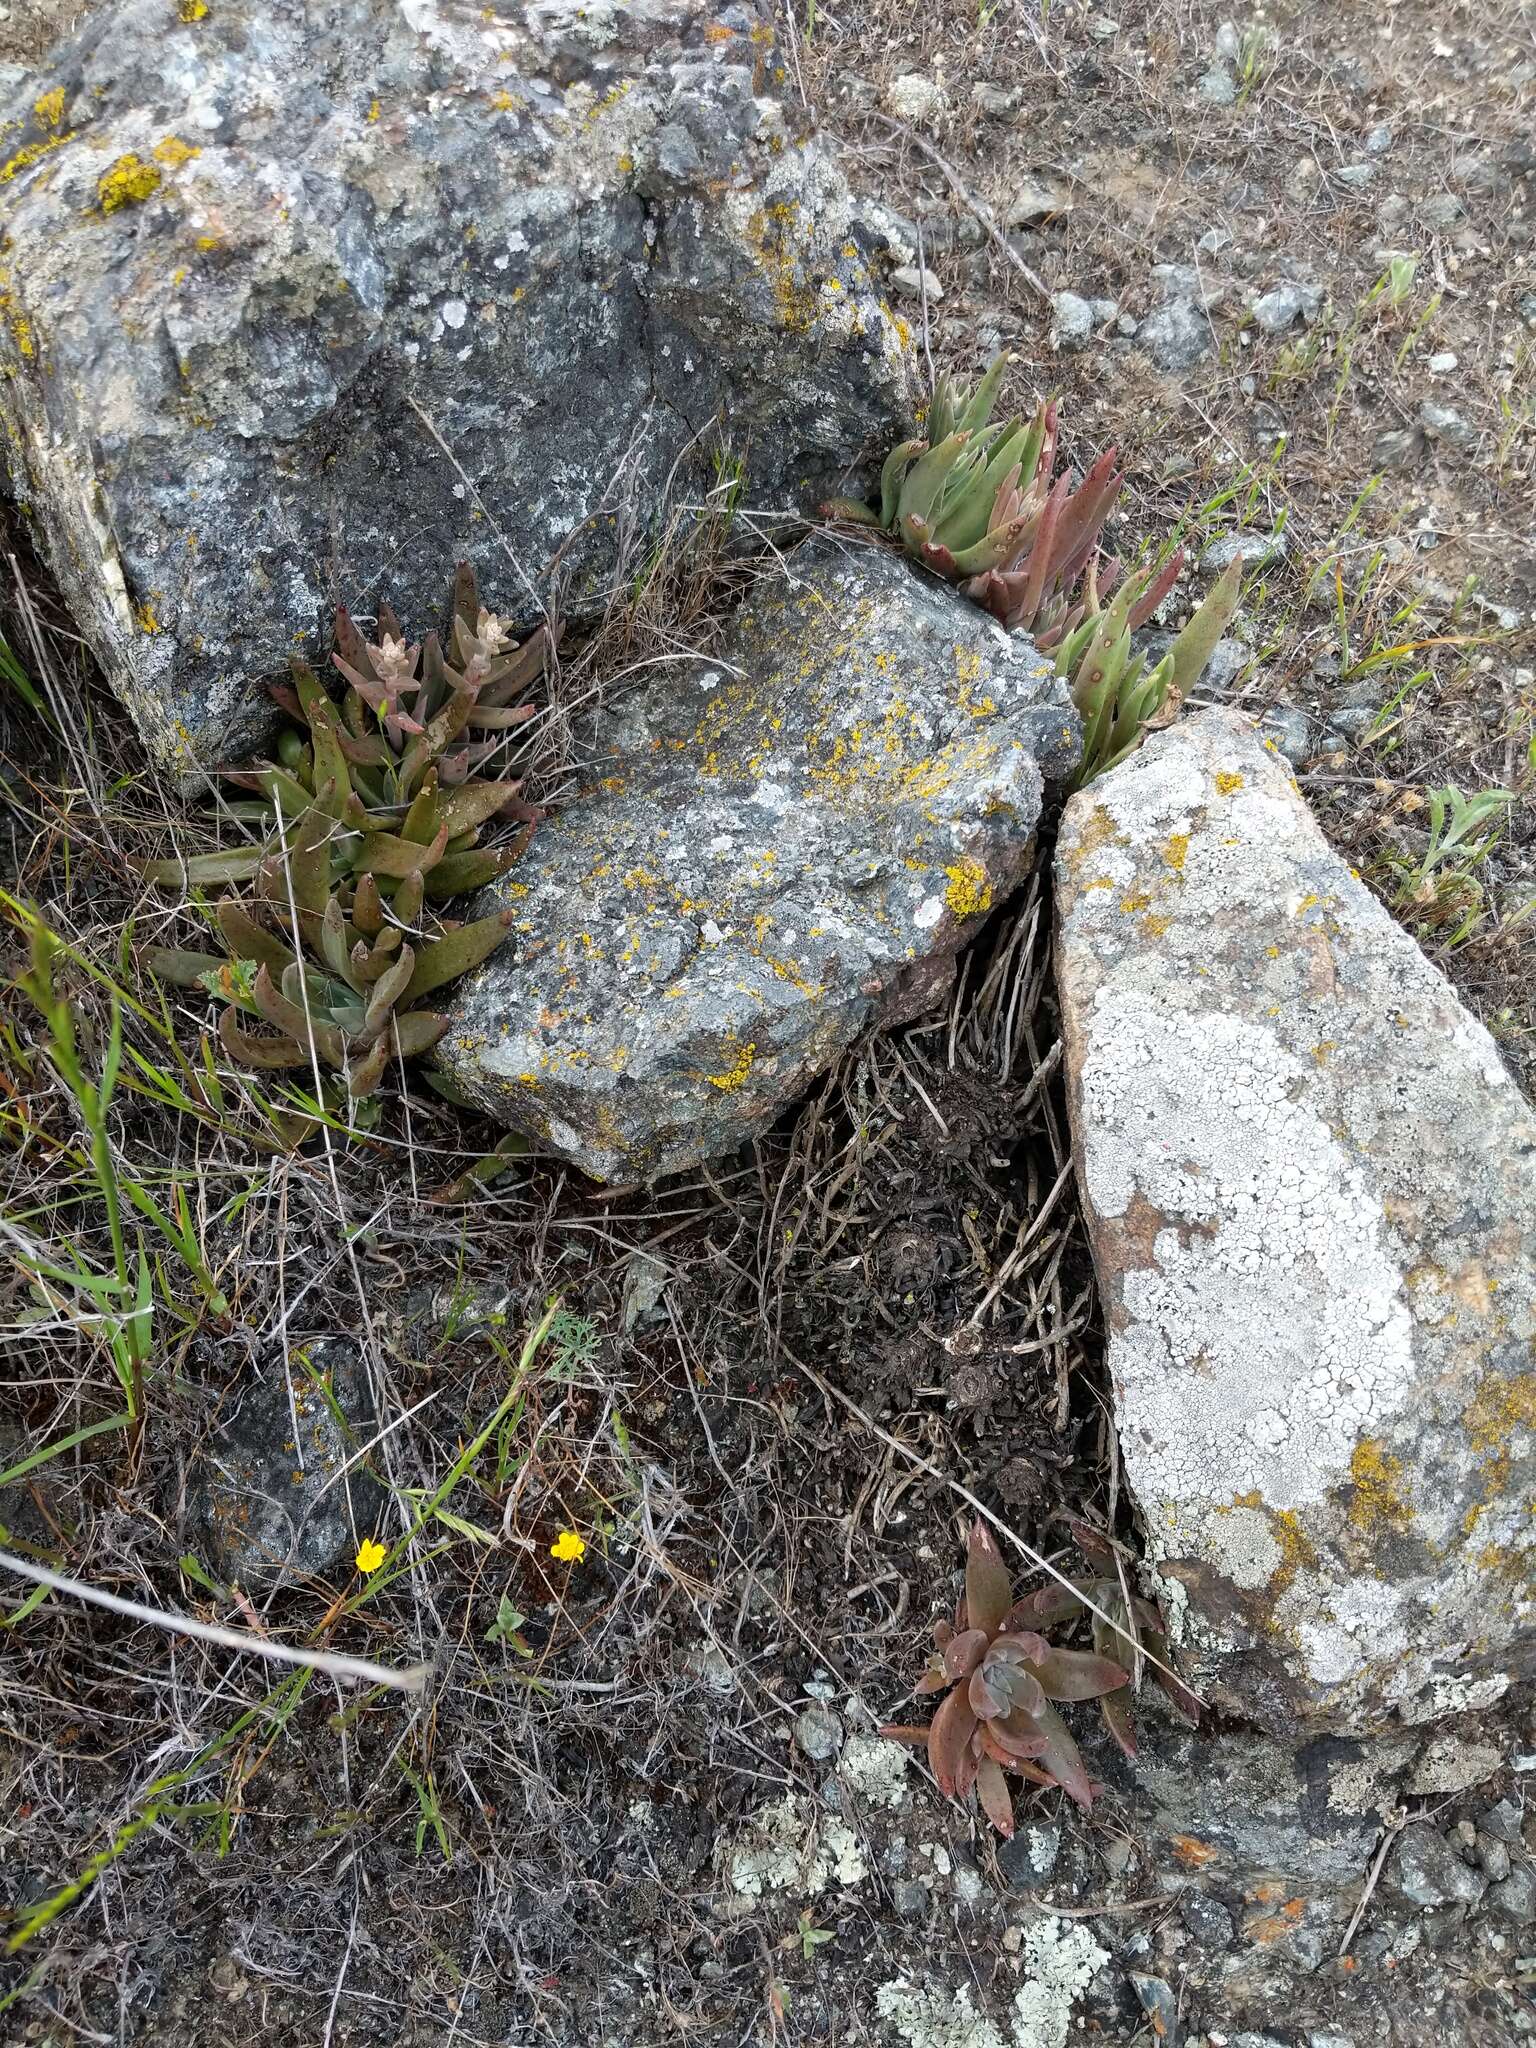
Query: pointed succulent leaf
{"type": "Point", "coordinates": [457, 872]}
{"type": "Point", "coordinates": [892, 471]}
{"type": "Point", "coordinates": [250, 1049]}
{"type": "Point", "coordinates": [445, 959]}
{"type": "Point", "coordinates": [388, 989]}
{"type": "Point", "coordinates": [248, 940]}
{"type": "Point", "coordinates": [949, 1738]}
{"type": "Point", "coordinates": [1046, 1607]}
{"type": "Point", "coordinates": [237, 864]}
{"type": "Point", "coordinates": [1061, 1759]}
{"type": "Point", "coordinates": [382, 853]}
{"type": "Point", "coordinates": [1194, 646]}
{"type": "Point", "coordinates": [1080, 1675]}
{"type": "Point", "coordinates": [988, 1593]}
{"type": "Point", "coordinates": [182, 969]}
{"type": "Point", "coordinates": [365, 1067]}
{"type": "Point", "coordinates": [417, 1031]}
{"type": "Point", "coordinates": [1120, 1721]}
{"type": "Point", "coordinates": [996, 1800]}
{"type": "Point", "coordinates": [977, 409]}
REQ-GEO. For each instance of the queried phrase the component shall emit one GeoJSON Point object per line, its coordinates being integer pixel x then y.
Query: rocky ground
{"type": "Point", "coordinates": [643, 1799]}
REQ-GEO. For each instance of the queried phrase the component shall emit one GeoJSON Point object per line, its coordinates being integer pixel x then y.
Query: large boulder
{"type": "Point", "coordinates": [776, 848]}
{"type": "Point", "coordinates": [299, 303]}
{"type": "Point", "coordinates": [1311, 1192]}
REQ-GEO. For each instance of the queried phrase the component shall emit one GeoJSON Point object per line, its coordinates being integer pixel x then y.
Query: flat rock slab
{"type": "Point", "coordinates": [300, 303]}
{"type": "Point", "coordinates": [1311, 1191]}
{"type": "Point", "coordinates": [775, 847]}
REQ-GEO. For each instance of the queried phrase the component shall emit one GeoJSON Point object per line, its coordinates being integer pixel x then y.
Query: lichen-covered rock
{"type": "Point", "coordinates": [1311, 1189]}
{"type": "Point", "coordinates": [298, 303]}
{"type": "Point", "coordinates": [775, 847]}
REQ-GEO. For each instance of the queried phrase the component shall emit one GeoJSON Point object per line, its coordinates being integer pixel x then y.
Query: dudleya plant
{"type": "Point", "coordinates": [1005, 1679]}
{"type": "Point", "coordinates": [372, 814]}
{"type": "Point", "coordinates": [976, 502]}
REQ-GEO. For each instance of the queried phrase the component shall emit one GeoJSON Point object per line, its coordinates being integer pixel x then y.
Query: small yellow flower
{"type": "Point", "coordinates": [370, 1555]}
{"type": "Point", "coordinates": [569, 1547]}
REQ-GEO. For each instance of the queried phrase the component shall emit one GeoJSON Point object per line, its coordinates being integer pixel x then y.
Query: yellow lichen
{"type": "Point", "coordinates": [145, 615]}
{"type": "Point", "coordinates": [50, 108]}
{"type": "Point", "coordinates": [1377, 1498]}
{"type": "Point", "coordinates": [1228, 782]}
{"type": "Point", "coordinates": [173, 151]}
{"type": "Point", "coordinates": [129, 182]}
{"type": "Point", "coordinates": [734, 1075]}
{"type": "Point", "coordinates": [969, 892]}
{"type": "Point", "coordinates": [25, 158]}
{"type": "Point", "coordinates": [191, 10]}
{"type": "Point", "coordinates": [502, 101]}
{"type": "Point", "coordinates": [373, 110]}
{"type": "Point", "coordinates": [1176, 851]}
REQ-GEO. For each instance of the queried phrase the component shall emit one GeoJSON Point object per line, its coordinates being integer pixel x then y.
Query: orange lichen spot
{"type": "Point", "coordinates": [1191, 1851]}
{"type": "Point", "coordinates": [1155, 925]}
{"type": "Point", "coordinates": [1269, 1927]}
{"type": "Point", "coordinates": [173, 151]}
{"type": "Point", "coordinates": [129, 182]}
{"type": "Point", "coordinates": [1322, 1049]}
{"type": "Point", "coordinates": [1228, 782]}
{"type": "Point", "coordinates": [719, 32]}
{"type": "Point", "coordinates": [191, 10]}
{"type": "Point", "coordinates": [50, 108]}
{"type": "Point", "coordinates": [144, 615]}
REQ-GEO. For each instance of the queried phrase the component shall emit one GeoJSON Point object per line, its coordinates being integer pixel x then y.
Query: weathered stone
{"type": "Point", "coordinates": [1426, 1870]}
{"type": "Point", "coordinates": [1515, 1898]}
{"type": "Point", "coordinates": [819, 1733]}
{"type": "Point", "coordinates": [268, 1491]}
{"type": "Point", "coordinates": [1308, 1181]}
{"type": "Point", "coordinates": [302, 302]}
{"type": "Point", "coordinates": [1504, 1822]}
{"type": "Point", "coordinates": [1450, 1763]}
{"type": "Point", "coordinates": [777, 846]}
{"type": "Point", "coordinates": [1177, 335]}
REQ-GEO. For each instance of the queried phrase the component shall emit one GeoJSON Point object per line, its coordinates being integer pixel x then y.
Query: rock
{"type": "Point", "coordinates": [1291, 732]}
{"type": "Point", "coordinates": [1071, 322]}
{"type": "Point", "coordinates": [1307, 1181]}
{"type": "Point", "coordinates": [1450, 1763]}
{"type": "Point", "coordinates": [265, 1491]}
{"type": "Point", "coordinates": [777, 847]}
{"type": "Point", "coordinates": [1355, 176]}
{"type": "Point", "coordinates": [1504, 1822]}
{"type": "Point", "coordinates": [1444, 423]}
{"type": "Point", "coordinates": [911, 97]}
{"type": "Point", "coordinates": [914, 281]}
{"type": "Point", "coordinates": [995, 99]}
{"type": "Point", "coordinates": [1426, 1870]}
{"type": "Point", "coordinates": [1217, 86]}
{"type": "Point", "coordinates": [1442, 364]}
{"type": "Point", "coordinates": [1441, 212]}
{"type": "Point", "coordinates": [1355, 720]}
{"type": "Point", "coordinates": [1255, 550]}
{"type": "Point", "coordinates": [1399, 448]}
{"type": "Point", "coordinates": [1285, 305]}
{"type": "Point", "coordinates": [1030, 1858]}
{"type": "Point", "coordinates": [1207, 1920]}
{"type": "Point", "coordinates": [305, 302]}
{"type": "Point", "coordinates": [913, 1901]}
{"type": "Point", "coordinates": [1176, 335]}
{"type": "Point", "coordinates": [1156, 1998]}
{"type": "Point", "coordinates": [1515, 1898]}
{"type": "Point", "coordinates": [1229, 43]}
{"type": "Point", "coordinates": [1036, 201]}
{"type": "Point", "coordinates": [1379, 140]}
{"type": "Point", "coordinates": [1494, 1859]}
{"type": "Point", "coordinates": [819, 1733]}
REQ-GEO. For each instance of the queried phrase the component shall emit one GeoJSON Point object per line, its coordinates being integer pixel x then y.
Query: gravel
{"type": "Point", "coordinates": [1291, 731]}
{"type": "Point", "coordinates": [1255, 549]}
{"type": "Point", "coordinates": [1441, 212]}
{"type": "Point", "coordinates": [1281, 308]}
{"type": "Point", "coordinates": [1426, 1871]}
{"type": "Point", "coordinates": [1444, 423]}
{"type": "Point", "coordinates": [1176, 336]}
{"type": "Point", "coordinates": [819, 1733]}
{"type": "Point", "coordinates": [1399, 448]}
{"type": "Point", "coordinates": [1071, 322]}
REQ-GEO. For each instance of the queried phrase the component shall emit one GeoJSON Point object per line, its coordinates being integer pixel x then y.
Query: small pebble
{"type": "Point", "coordinates": [1218, 87]}
{"type": "Point", "coordinates": [819, 1733]}
{"type": "Point", "coordinates": [914, 282]}
{"type": "Point", "coordinates": [1443, 363]}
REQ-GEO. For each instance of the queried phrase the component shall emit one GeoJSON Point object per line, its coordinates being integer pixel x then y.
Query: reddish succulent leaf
{"type": "Point", "coordinates": [935, 1678]}
{"type": "Point", "coordinates": [1155, 1643]}
{"type": "Point", "coordinates": [1093, 1546]}
{"type": "Point", "coordinates": [970, 1762]}
{"type": "Point", "coordinates": [943, 1634]}
{"type": "Point", "coordinates": [1118, 1719]}
{"type": "Point", "coordinates": [1021, 1646]}
{"type": "Point", "coordinates": [963, 1652]}
{"type": "Point", "coordinates": [1019, 1734]}
{"type": "Point", "coordinates": [1080, 1675]}
{"type": "Point", "coordinates": [949, 1739]}
{"type": "Point", "coordinates": [996, 1799]}
{"type": "Point", "coordinates": [984, 1701]}
{"type": "Point", "coordinates": [1047, 1606]}
{"type": "Point", "coordinates": [1061, 1759]}
{"type": "Point", "coordinates": [988, 1591]}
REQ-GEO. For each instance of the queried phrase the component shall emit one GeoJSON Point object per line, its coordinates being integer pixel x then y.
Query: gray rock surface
{"type": "Point", "coordinates": [1309, 1187]}
{"type": "Point", "coordinates": [1291, 731]}
{"type": "Point", "coordinates": [774, 848]}
{"type": "Point", "coordinates": [1427, 1871]}
{"type": "Point", "coordinates": [266, 1493]}
{"type": "Point", "coordinates": [1176, 335]}
{"type": "Point", "coordinates": [1281, 308]}
{"type": "Point", "coordinates": [1071, 322]}
{"type": "Point", "coordinates": [1256, 550]}
{"type": "Point", "coordinates": [304, 302]}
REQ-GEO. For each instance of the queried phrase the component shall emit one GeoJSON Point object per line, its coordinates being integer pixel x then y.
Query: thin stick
{"type": "Point", "coordinates": [1041, 1563]}
{"type": "Point", "coordinates": [1371, 1877]}
{"type": "Point", "coordinates": [328, 1661]}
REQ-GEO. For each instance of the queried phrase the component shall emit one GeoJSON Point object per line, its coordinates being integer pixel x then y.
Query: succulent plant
{"type": "Point", "coordinates": [347, 996]}
{"type": "Point", "coordinates": [1113, 686]}
{"type": "Point", "coordinates": [374, 815]}
{"type": "Point", "coordinates": [1005, 1679]}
